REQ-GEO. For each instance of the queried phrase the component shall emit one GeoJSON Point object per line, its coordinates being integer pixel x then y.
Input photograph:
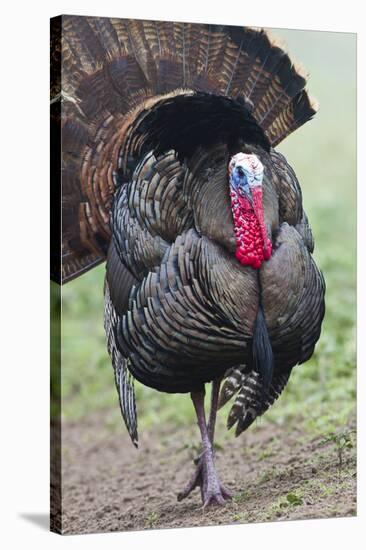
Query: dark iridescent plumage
{"type": "Point", "coordinates": [151, 114]}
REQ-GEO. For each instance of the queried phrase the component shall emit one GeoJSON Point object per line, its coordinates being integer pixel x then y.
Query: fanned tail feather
{"type": "Point", "coordinates": [113, 70]}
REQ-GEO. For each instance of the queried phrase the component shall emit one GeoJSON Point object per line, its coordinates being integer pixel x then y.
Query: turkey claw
{"type": "Point", "coordinates": [213, 493]}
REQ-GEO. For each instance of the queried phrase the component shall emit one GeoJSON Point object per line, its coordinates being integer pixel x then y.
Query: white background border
{"type": "Point", "coordinates": [24, 211]}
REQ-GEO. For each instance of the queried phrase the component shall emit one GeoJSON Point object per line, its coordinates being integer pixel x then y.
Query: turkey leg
{"type": "Point", "coordinates": [212, 416]}
{"type": "Point", "coordinates": [205, 476]}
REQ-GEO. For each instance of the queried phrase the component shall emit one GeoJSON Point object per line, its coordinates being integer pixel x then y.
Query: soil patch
{"type": "Point", "coordinates": [108, 485]}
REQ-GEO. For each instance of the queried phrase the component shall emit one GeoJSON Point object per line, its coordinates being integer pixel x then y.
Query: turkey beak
{"type": "Point", "coordinates": [257, 196]}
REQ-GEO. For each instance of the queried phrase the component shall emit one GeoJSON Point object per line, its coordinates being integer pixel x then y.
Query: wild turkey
{"type": "Point", "coordinates": [169, 173]}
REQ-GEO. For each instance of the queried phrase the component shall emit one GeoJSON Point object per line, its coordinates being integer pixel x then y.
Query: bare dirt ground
{"type": "Point", "coordinates": [274, 473]}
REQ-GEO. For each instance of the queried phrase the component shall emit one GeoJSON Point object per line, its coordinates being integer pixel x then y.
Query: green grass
{"type": "Point", "coordinates": [321, 394]}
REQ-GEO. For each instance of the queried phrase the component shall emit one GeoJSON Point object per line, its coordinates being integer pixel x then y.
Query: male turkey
{"type": "Point", "coordinates": [169, 172]}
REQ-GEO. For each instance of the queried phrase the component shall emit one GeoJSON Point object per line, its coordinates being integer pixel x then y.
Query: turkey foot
{"type": "Point", "coordinates": [205, 476]}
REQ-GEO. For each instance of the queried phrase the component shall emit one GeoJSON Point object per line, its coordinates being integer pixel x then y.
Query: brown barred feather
{"type": "Point", "coordinates": [114, 69]}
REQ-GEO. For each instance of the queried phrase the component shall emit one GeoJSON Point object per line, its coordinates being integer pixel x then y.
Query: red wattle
{"type": "Point", "coordinates": [257, 196]}
{"type": "Point", "coordinates": [252, 243]}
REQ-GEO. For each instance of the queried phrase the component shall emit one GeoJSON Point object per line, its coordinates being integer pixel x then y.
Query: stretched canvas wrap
{"type": "Point", "coordinates": [203, 360]}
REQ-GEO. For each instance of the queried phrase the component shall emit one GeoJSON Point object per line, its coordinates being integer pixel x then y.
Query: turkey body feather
{"type": "Point", "coordinates": [151, 115]}
{"type": "Point", "coordinates": [191, 316]}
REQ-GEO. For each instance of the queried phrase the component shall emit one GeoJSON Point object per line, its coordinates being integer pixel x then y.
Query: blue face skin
{"type": "Point", "coordinates": [239, 181]}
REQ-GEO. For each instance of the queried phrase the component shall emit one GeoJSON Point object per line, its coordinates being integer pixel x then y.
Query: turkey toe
{"type": "Point", "coordinates": [205, 477]}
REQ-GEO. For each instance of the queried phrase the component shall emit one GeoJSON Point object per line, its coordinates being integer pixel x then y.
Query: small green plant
{"type": "Point", "coordinates": [265, 454]}
{"type": "Point", "coordinates": [152, 518]}
{"type": "Point", "coordinates": [240, 517]}
{"type": "Point", "coordinates": [294, 499]}
{"type": "Point", "coordinates": [342, 441]}
{"type": "Point", "coordinates": [241, 497]}
{"type": "Point", "coordinates": [277, 508]}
